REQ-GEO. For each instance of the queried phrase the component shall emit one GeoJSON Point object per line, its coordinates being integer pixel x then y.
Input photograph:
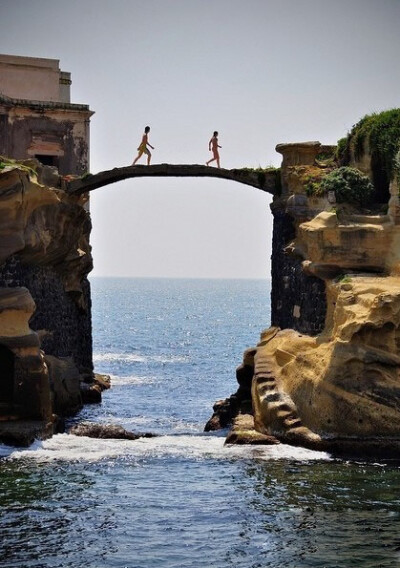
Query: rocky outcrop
{"type": "Point", "coordinates": [44, 226]}
{"type": "Point", "coordinates": [45, 319]}
{"type": "Point", "coordinates": [326, 374]}
{"type": "Point", "coordinates": [106, 431]}
{"type": "Point", "coordinates": [324, 390]}
{"type": "Point", "coordinates": [243, 433]}
{"type": "Point", "coordinates": [24, 384]}
{"type": "Point", "coordinates": [225, 411]}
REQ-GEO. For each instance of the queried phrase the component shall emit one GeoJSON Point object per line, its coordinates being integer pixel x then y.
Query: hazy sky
{"type": "Point", "coordinates": [258, 71]}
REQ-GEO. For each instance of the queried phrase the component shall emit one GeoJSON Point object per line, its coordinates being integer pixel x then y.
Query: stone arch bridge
{"type": "Point", "coordinates": [265, 180]}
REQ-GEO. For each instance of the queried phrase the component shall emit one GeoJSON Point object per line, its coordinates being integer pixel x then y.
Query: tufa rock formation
{"type": "Point", "coordinates": [45, 320]}
{"type": "Point", "coordinates": [326, 375]}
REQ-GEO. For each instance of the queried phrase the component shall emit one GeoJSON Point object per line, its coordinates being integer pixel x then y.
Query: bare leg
{"type": "Point", "coordinates": [215, 158]}
{"type": "Point", "coordinates": [148, 158]}
{"type": "Point", "coordinates": [137, 157]}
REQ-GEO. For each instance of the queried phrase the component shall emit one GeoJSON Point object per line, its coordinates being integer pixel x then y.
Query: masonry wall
{"type": "Point", "coordinates": [31, 78]}
{"type": "Point", "coordinates": [69, 327]}
{"type": "Point", "coordinates": [298, 301]}
{"type": "Point", "coordinates": [61, 134]}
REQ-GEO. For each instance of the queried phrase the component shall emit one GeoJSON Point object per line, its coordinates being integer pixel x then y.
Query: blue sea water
{"type": "Point", "coordinates": [183, 499]}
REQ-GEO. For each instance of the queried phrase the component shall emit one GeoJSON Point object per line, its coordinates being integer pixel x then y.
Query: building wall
{"type": "Point", "coordinates": [61, 134]}
{"type": "Point", "coordinates": [37, 118]}
{"type": "Point", "coordinates": [32, 78]}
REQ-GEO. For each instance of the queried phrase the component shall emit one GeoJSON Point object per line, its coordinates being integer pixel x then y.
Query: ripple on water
{"type": "Point", "coordinates": [183, 499]}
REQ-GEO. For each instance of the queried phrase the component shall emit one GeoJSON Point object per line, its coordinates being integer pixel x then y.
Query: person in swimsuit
{"type": "Point", "coordinates": [143, 149]}
{"type": "Point", "coordinates": [213, 146]}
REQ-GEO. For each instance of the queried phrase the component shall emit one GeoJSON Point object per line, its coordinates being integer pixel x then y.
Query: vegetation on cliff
{"type": "Point", "coordinates": [349, 185]}
{"type": "Point", "coordinates": [377, 133]}
{"type": "Point", "coordinates": [373, 146]}
{"type": "Point", "coordinates": [28, 166]}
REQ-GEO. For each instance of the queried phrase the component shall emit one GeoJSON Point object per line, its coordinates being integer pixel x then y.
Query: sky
{"type": "Point", "coordinates": [261, 72]}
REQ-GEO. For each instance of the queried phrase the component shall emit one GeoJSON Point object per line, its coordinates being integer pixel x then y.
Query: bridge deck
{"type": "Point", "coordinates": [265, 180]}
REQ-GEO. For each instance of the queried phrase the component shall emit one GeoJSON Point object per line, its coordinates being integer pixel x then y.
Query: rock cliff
{"type": "Point", "coordinates": [326, 375]}
{"type": "Point", "coordinates": [45, 320]}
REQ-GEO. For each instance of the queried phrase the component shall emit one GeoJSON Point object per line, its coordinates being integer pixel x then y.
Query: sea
{"type": "Point", "coordinates": [183, 499]}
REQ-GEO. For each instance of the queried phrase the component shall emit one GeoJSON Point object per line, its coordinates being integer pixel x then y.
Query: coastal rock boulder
{"type": "Point", "coordinates": [105, 431]}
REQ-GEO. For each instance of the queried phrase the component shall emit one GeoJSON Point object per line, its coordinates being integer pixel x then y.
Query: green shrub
{"type": "Point", "coordinates": [341, 148]}
{"type": "Point", "coordinates": [382, 132]}
{"type": "Point", "coordinates": [350, 186]}
{"type": "Point", "coordinates": [313, 187]}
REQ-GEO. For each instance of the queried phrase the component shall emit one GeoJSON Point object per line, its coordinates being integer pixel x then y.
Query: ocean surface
{"type": "Point", "coordinates": [182, 499]}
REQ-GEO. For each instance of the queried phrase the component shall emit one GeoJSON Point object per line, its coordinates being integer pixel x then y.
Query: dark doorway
{"type": "Point", "coordinates": [7, 371]}
{"type": "Point", "coordinates": [380, 180]}
{"type": "Point", "coordinates": [47, 160]}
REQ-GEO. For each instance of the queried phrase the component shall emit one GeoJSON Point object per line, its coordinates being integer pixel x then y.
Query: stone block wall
{"type": "Point", "coordinates": [69, 330]}
{"type": "Point", "coordinates": [298, 301]}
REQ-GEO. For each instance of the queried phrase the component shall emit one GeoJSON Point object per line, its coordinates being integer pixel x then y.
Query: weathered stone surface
{"type": "Point", "coordinates": [24, 432]}
{"type": "Point", "coordinates": [298, 298]}
{"type": "Point", "coordinates": [44, 298]}
{"type": "Point", "coordinates": [90, 393]}
{"type": "Point", "coordinates": [296, 154]}
{"type": "Point", "coordinates": [24, 381]}
{"type": "Point", "coordinates": [104, 381]}
{"type": "Point", "coordinates": [65, 328]}
{"type": "Point", "coordinates": [243, 432]}
{"type": "Point", "coordinates": [326, 373]}
{"type": "Point", "coordinates": [358, 243]}
{"type": "Point", "coordinates": [343, 383]}
{"type": "Point", "coordinates": [65, 385]}
{"type": "Point", "coordinates": [44, 246]}
{"type": "Point", "coordinates": [223, 413]}
{"type": "Point", "coordinates": [44, 226]}
{"type": "Point", "coordinates": [93, 430]}
{"type": "Point", "coordinates": [266, 182]}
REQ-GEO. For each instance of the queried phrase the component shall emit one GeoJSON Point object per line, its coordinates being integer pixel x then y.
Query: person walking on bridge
{"type": "Point", "coordinates": [143, 149]}
{"type": "Point", "coordinates": [213, 146]}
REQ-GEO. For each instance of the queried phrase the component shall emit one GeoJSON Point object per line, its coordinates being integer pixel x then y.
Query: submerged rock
{"type": "Point", "coordinates": [107, 431]}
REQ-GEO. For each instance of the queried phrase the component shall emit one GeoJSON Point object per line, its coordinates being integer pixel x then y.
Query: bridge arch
{"type": "Point", "coordinates": [266, 180]}
{"type": "Point", "coordinates": [181, 228]}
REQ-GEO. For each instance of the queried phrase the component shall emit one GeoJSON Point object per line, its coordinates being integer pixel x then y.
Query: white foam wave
{"type": "Point", "coordinates": [117, 380]}
{"type": "Point", "coordinates": [66, 447]}
{"type": "Point", "coordinates": [122, 357]}
{"type": "Point", "coordinates": [136, 358]}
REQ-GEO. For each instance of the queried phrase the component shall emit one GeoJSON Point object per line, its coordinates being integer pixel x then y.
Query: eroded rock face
{"type": "Point", "coordinates": [65, 385]}
{"type": "Point", "coordinates": [24, 387]}
{"type": "Point", "coordinates": [325, 390]}
{"type": "Point", "coordinates": [44, 299]}
{"type": "Point", "coordinates": [44, 226]}
{"type": "Point", "coordinates": [343, 382]}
